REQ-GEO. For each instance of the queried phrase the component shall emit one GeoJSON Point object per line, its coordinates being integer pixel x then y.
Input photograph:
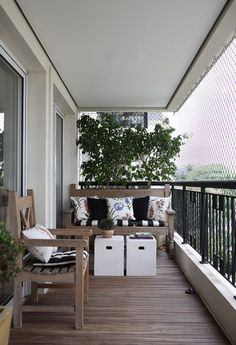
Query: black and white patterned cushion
{"type": "Point", "coordinates": [120, 222]}
{"type": "Point", "coordinates": [88, 222]}
{"type": "Point", "coordinates": [149, 223]}
{"type": "Point", "coordinates": [62, 258]}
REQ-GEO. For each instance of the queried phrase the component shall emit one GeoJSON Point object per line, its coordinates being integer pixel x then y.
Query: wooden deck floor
{"type": "Point", "coordinates": [127, 311]}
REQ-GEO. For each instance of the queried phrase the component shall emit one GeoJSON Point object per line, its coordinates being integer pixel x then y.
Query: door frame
{"type": "Point", "coordinates": [22, 125]}
{"type": "Point", "coordinates": [57, 112]}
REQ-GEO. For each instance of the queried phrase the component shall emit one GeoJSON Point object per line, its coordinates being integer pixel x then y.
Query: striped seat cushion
{"type": "Point", "coordinates": [62, 258]}
{"type": "Point", "coordinates": [149, 222]}
{"type": "Point", "coordinates": [119, 222]}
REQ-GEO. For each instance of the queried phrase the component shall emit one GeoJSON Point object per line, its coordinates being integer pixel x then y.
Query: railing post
{"type": "Point", "coordinates": [233, 242]}
{"type": "Point", "coordinates": [184, 216]}
{"type": "Point", "coordinates": [203, 227]}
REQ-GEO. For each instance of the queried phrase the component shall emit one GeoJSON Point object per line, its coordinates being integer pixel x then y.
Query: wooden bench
{"type": "Point", "coordinates": [167, 229]}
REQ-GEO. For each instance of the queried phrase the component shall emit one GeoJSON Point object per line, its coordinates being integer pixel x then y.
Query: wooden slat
{"type": "Point", "coordinates": [39, 277]}
{"type": "Point", "coordinates": [56, 242]}
{"type": "Point", "coordinates": [113, 192]}
{"type": "Point", "coordinates": [75, 232]}
{"type": "Point", "coordinates": [122, 230]}
{"type": "Point", "coordinates": [49, 309]}
{"type": "Point", "coordinates": [128, 230]}
{"type": "Point", "coordinates": [26, 202]}
{"type": "Point", "coordinates": [36, 269]}
{"type": "Point", "coordinates": [58, 286]}
{"type": "Point", "coordinates": [127, 311]}
{"type": "Point", "coordinates": [28, 267]}
{"type": "Point", "coordinates": [65, 269]}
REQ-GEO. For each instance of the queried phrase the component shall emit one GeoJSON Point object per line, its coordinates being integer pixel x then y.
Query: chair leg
{"type": "Point", "coordinates": [171, 248]}
{"type": "Point", "coordinates": [34, 292]}
{"type": "Point", "coordinates": [17, 312]}
{"type": "Point", "coordinates": [86, 284]}
{"type": "Point", "coordinates": [167, 243]}
{"type": "Point", "coordinates": [79, 290]}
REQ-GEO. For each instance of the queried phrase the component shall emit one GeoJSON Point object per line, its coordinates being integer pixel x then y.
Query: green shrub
{"type": "Point", "coordinates": [9, 251]}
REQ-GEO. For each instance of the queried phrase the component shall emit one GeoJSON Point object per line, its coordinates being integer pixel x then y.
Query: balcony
{"type": "Point", "coordinates": [97, 56]}
{"type": "Point", "coordinates": [157, 309]}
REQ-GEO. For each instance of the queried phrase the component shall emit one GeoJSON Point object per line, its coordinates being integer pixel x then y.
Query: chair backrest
{"type": "Point", "coordinates": [22, 212]}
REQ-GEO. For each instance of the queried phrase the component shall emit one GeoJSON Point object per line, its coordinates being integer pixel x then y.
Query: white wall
{"type": "Point", "coordinates": [45, 89]}
{"type": "Point", "coordinates": [36, 140]}
{"type": "Point", "coordinates": [70, 156]}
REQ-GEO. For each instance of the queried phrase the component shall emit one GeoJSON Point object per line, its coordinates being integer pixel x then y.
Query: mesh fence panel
{"type": "Point", "coordinates": [208, 117]}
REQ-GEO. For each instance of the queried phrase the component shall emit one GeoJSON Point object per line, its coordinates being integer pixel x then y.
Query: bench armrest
{"type": "Point", "coordinates": [170, 211]}
{"type": "Point", "coordinates": [69, 216]}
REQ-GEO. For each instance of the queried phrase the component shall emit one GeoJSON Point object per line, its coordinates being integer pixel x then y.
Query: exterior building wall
{"type": "Point", "coordinates": [44, 90]}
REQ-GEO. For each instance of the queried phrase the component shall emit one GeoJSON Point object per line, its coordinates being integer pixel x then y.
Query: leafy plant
{"type": "Point", "coordinates": [119, 155]}
{"type": "Point", "coordinates": [109, 156]}
{"type": "Point", "coordinates": [106, 224]}
{"type": "Point", "coordinates": [156, 152]}
{"type": "Point", "coordinates": [9, 251]}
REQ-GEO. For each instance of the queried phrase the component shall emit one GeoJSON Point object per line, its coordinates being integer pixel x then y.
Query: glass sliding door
{"type": "Point", "coordinates": [11, 136]}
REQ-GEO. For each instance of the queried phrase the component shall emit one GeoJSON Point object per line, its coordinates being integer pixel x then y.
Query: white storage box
{"type": "Point", "coordinates": [141, 257]}
{"type": "Point", "coordinates": [109, 256]}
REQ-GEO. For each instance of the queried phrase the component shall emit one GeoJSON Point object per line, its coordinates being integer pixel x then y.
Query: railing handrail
{"type": "Point", "coordinates": [225, 184]}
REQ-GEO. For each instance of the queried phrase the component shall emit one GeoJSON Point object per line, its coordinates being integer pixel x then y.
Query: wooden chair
{"type": "Point", "coordinates": [22, 216]}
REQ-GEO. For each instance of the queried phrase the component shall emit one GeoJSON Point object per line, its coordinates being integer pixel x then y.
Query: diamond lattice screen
{"type": "Point", "coordinates": [208, 117]}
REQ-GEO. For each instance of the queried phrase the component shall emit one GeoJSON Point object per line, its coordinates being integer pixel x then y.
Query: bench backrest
{"type": "Point", "coordinates": [119, 193]}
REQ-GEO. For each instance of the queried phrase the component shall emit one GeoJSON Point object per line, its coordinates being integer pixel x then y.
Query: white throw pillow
{"type": "Point", "coordinates": [80, 205]}
{"type": "Point", "coordinates": [120, 208]}
{"type": "Point", "coordinates": [157, 208]}
{"type": "Point", "coordinates": [39, 232]}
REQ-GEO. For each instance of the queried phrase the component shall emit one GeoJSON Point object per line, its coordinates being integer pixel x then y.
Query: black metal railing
{"type": "Point", "coordinates": [206, 221]}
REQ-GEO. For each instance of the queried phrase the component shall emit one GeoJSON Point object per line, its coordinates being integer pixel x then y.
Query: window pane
{"type": "Point", "coordinates": [11, 92]}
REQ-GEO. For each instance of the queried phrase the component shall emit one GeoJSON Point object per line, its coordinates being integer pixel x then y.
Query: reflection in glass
{"type": "Point", "coordinates": [11, 92]}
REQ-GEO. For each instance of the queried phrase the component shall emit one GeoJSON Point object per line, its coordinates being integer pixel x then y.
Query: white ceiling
{"type": "Point", "coordinates": [126, 54]}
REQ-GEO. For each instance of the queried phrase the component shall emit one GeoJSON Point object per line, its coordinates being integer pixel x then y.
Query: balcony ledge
{"type": "Point", "coordinates": [215, 291]}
